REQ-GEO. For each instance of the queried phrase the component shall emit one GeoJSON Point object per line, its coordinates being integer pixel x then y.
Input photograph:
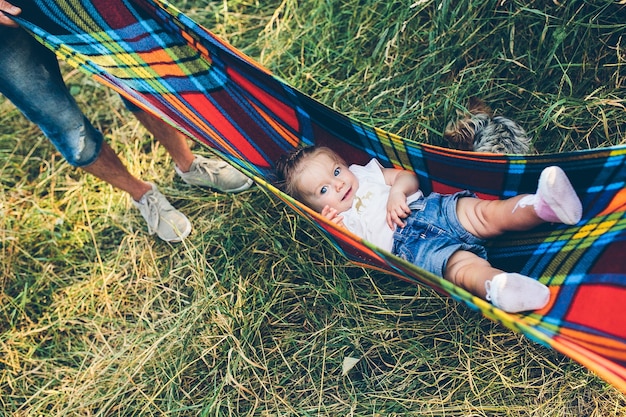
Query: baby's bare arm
{"type": "Point", "coordinates": [403, 183]}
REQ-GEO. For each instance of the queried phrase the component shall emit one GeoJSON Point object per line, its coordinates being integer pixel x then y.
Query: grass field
{"type": "Point", "coordinates": [255, 313]}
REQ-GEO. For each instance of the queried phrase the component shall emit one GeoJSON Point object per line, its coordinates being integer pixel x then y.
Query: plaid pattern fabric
{"type": "Point", "coordinates": [170, 66]}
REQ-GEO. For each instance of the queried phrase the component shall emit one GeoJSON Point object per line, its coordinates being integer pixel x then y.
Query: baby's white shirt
{"type": "Point", "coordinates": [367, 217]}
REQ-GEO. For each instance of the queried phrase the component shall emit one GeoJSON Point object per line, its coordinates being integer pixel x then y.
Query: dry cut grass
{"type": "Point", "coordinates": [255, 314]}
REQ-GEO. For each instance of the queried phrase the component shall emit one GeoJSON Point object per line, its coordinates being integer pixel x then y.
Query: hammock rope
{"type": "Point", "coordinates": [168, 65]}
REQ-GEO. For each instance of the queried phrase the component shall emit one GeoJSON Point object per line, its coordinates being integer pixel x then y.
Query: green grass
{"type": "Point", "coordinates": [255, 313]}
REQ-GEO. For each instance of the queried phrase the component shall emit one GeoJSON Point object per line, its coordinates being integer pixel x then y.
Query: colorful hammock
{"type": "Point", "coordinates": [170, 66]}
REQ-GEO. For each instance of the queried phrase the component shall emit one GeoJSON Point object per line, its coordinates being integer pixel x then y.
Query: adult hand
{"type": "Point", "coordinates": [6, 11]}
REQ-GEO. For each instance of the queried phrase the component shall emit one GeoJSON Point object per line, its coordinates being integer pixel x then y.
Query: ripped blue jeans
{"type": "Point", "coordinates": [31, 79]}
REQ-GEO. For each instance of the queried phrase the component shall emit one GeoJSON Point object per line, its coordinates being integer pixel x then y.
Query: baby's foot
{"type": "Point", "coordinates": [513, 293]}
{"type": "Point", "coordinates": [556, 199]}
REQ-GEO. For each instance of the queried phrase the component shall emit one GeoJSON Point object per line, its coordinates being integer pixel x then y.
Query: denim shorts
{"type": "Point", "coordinates": [433, 233]}
{"type": "Point", "coordinates": [31, 79]}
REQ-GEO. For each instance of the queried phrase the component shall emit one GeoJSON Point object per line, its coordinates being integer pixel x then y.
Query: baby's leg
{"type": "Point", "coordinates": [510, 292]}
{"type": "Point", "coordinates": [490, 218]}
{"type": "Point", "coordinates": [554, 201]}
{"type": "Point", "coordinates": [470, 272]}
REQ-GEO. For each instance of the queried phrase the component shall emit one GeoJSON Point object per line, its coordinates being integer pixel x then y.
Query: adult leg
{"type": "Point", "coordinates": [193, 169]}
{"type": "Point", "coordinates": [31, 79]}
{"type": "Point", "coordinates": [162, 218]}
{"type": "Point", "coordinates": [174, 142]}
{"type": "Point", "coordinates": [109, 168]}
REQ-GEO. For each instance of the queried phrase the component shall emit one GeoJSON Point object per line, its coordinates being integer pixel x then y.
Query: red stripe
{"type": "Point", "coordinates": [221, 124]}
{"type": "Point", "coordinates": [283, 112]}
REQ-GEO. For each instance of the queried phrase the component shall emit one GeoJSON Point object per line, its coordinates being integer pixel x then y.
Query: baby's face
{"type": "Point", "coordinates": [325, 182]}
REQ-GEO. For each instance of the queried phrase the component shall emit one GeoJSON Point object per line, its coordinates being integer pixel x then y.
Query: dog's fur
{"type": "Point", "coordinates": [480, 131]}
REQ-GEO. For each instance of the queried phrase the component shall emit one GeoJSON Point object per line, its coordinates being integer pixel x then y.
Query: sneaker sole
{"type": "Point", "coordinates": [178, 238]}
{"type": "Point", "coordinates": [244, 187]}
{"type": "Point", "coordinates": [555, 175]}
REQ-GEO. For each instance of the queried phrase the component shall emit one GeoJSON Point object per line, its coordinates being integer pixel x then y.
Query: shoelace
{"type": "Point", "coordinates": [153, 213]}
{"type": "Point", "coordinates": [212, 167]}
{"type": "Point", "coordinates": [211, 170]}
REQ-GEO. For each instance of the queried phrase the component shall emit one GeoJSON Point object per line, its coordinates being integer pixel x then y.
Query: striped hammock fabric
{"type": "Point", "coordinates": [173, 68]}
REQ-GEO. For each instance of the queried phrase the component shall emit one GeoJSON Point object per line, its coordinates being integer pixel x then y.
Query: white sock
{"type": "Point", "coordinates": [513, 293]}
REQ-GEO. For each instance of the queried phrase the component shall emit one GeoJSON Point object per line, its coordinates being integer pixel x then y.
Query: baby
{"type": "Point", "coordinates": [443, 234]}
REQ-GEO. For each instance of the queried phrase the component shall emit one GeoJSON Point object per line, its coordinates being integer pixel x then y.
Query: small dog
{"type": "Point", "coordinates": [480, 131]}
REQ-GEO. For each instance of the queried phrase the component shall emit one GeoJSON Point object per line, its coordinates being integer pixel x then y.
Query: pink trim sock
{"type": "Point", "coordinates": [556, 200]}
{"type": "Point", "coordinates": [514, 293]}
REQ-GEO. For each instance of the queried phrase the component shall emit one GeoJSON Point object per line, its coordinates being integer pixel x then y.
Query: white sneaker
{"type": "Point", "coordinates": [168, 223]}
{"type": "Point", "coordinates": [214, 173]}
{"type": "Point", "coordinates": [513, 293]}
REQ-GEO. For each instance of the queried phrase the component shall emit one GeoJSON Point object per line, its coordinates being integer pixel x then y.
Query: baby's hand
{"type": "Point", "coordinates": [332, 215]}
{"type": "Point", "coordinates": [397, 209]}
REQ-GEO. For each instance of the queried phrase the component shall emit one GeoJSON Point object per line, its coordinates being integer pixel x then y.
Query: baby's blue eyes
{"type": "Point", "coordinates": [336, 173]}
